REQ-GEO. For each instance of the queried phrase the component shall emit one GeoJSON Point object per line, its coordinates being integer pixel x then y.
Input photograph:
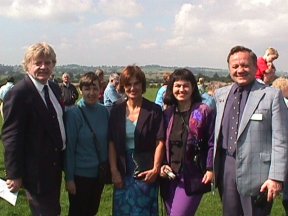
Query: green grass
{"type": "Point", "coordinates": [210, 204]}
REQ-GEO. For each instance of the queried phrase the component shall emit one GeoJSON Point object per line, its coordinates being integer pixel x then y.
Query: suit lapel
{"type": "Point", "coordinates": [253, 100]}
{"type": "Point", "coordinates": [36, 98]}
{"type": "Point", "coordinates": [38, 104]}
{"type": "Point", "coordinates": [221, 101]}
{"type": "Point", "coordinates": [143, 115]}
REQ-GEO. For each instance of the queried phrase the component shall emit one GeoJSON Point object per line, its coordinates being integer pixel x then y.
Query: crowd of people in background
{"type": "Point", "coordinates": [196, 136]}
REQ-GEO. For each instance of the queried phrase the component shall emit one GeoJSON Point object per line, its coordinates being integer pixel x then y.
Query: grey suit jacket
{"type": "Point", "coordinates": [262, 143]}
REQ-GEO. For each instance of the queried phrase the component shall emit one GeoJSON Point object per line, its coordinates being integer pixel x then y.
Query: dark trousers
{"type": "Point", "coordinates": [45, 205]}
{"type": "Point", "coordinates": [87, 198]}
{"type": "Point", "coordinates": [233, 202]}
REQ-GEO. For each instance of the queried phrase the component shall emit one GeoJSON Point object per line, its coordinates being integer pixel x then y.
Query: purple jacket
{"type": "Point", "coordinates": [201, 124]}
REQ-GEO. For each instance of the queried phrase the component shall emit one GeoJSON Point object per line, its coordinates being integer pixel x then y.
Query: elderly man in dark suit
{"type": "Point", "coordinates": [33, 133]}
{"type": "Point", "coordinates": [251, 144]}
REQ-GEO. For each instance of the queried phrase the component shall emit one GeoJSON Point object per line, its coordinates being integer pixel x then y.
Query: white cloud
{"type": "Point", "coordinates": [250, 4]}
{"type": "Point", "coordinates": [108, 31]}
{"type": "Point", "coordinates": [160, 29]}
{"type": "Point", "coordinates": [46, 9]}
{"type": "Point", "coordinates": [189, 27]}
{"type": "Point", "coordinates": [212, 29]}
{"type": "Point", "coordinates": [187, 19]}
{"type": "Point", "coordinates": [193, 22]}
{"type": "Point", "coordinates": [120, 8]}
{"type": "Point", "coordinates": [139, 25]}
{"type": "Point", "coordinates": [198, 33]}
{"type": "Point", "coordinates": [148, 45]}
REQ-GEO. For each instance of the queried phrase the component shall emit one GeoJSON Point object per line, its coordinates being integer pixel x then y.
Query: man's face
{"type": "Point", "coordinates": [41, 69]}
{"type": "Point", "coordinates": [115, 81]}
{"type": "Point", "coordinates": [241, 67]}
{"type": "Point", "coordinates": [66, 78]}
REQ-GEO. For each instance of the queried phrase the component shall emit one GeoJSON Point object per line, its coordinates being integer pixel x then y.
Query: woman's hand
{"type": "Point", "coordinates": [208, 177]}
{"type": "Point", "coordinates": [71, 187]}
{"type": "Point", "coordinates": [164, 170]}
{"type": "Point", "coordinates": [149, 176]}
{"type": "Point", "coordinates": [117, 179]}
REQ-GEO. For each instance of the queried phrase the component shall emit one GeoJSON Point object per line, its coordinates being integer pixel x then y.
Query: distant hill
{"type": "Point", "coordinates": [153, 72]}
{"type": "Point", "coordinates": [80, 69]}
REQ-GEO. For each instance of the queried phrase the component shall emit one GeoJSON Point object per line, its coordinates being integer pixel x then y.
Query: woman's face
{"type": "Point", "coordinates": [182, 90]}
{"type": "Point", "coordinates": [133, 89]}
{"type": "Point", "coordinates": [91, 93]}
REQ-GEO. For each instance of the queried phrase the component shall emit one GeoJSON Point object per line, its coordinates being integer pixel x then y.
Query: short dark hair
{"type": "Point", "coordinates": [182, 74]}
{"type": "Point", "coordinates": [237, 49]}
{"type": "Point", "coordinates": [129, 72]}
{"type": "Point", "coordinates": [88, 79]}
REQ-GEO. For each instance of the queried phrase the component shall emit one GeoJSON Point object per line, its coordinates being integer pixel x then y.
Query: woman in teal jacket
{"type": "Point", "coordinates": [82, 161]}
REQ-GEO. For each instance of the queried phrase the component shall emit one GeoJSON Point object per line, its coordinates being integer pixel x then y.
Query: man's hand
{"type": "Point", "coordinates": [14, 184]}
{"type": "Point", "coordinates": [273, 187]}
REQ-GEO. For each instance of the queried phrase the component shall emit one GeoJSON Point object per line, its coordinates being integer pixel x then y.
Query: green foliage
{"type": "Point", "coordinates": [210, 204]}
{"type": "Point", "coordinates": [150, 94]}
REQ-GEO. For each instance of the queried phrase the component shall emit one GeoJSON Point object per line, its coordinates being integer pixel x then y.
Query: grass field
{"type": "Point", "coordinates": [210, 204]}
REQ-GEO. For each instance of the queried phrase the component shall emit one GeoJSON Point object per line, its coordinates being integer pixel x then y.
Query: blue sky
{"type": "Point", "coordinates": [165, 32]}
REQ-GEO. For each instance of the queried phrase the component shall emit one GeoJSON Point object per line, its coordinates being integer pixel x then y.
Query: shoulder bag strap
{"type": "Point", "coordinates": [95, 140]}
{"type": "Point", "coordinates": [197, 149]}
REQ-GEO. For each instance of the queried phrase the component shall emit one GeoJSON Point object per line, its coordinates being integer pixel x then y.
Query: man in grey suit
{"type": "Point", "coordinates": [251, 146]}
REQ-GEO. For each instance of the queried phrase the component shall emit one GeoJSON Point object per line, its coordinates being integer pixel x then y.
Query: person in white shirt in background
{"type": "Point", "coordinates": [4, 90]}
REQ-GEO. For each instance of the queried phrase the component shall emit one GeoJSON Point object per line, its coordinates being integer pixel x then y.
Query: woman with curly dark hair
{"type": "Point", "coordinates": [189, 145]}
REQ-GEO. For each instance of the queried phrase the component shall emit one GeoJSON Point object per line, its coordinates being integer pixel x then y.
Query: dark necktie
{"type": "Point", "coordinates": [53, 115]}
{"type": "Point", "coordinates": [49, 104]}
{"type": "Point", "coordinates": [235, 120]}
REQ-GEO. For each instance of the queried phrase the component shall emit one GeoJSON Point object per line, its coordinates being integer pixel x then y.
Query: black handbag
{"type": "Point", "coordinates": [104, 173]}
{"type": "Point", "coordinates": [143, 161]}
{"type": "Point", "coordinates": [199, 157]}
{"type": "Point", "coordinates": [194, 185]}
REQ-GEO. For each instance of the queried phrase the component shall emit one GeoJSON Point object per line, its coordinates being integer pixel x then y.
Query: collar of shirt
{"type": "Point", "coordinates": [246, 88]}
{"type": "Point", "coordinates": [39, 86]}
{"type": "Point", "coordinates": [66, 84]}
